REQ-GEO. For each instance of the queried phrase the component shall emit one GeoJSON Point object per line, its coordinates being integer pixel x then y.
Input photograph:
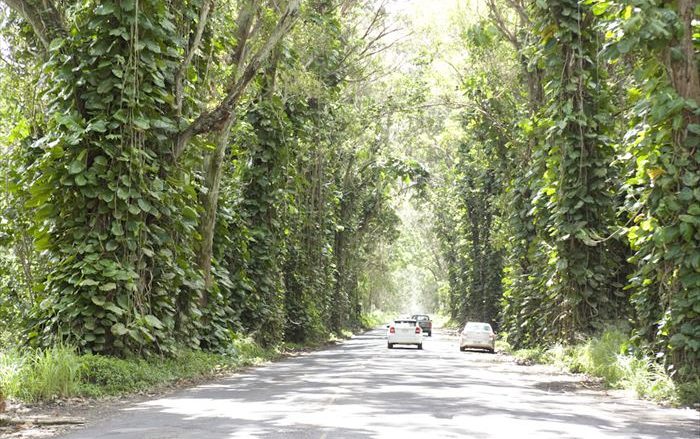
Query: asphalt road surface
{"type": "Point", "coordinates": [361, 389]}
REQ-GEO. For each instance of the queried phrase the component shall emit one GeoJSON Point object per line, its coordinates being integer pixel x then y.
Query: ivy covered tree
{"type": "Point", "coordinates": [149, 110]}
{"type": "Point", "coordinates": [595, 204]}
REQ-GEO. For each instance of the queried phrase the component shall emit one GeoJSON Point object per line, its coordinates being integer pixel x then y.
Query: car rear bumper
{"type": "Point", "coordinates": [405, 339]}
{"type": "Point", "coordinates": [476, 344]}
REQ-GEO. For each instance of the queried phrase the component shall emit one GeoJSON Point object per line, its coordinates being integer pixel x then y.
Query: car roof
{"type": "Point", "coordinates": [482, 324]}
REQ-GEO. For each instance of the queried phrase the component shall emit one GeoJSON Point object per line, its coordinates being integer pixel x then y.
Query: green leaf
{"type": "Point", "coordinates": [109, 286]}
{"type": "Point", "coordinates": [119, 329]}
{"type": "Point", "coordinates": [600, 8]}
{"type": "Point", "coordinates": [117, 229]}
{"type": "Point", "coordinates": [189, 213]}
{"type": "Point", "coordinates": [668, 234]}
{"type": "Point", "coordinates": [142, 123]}
{"type": "Point", "coordinates": [163, 123]}
{"type": "Point", "coordinates": [625, 45]}
{"type": "Point", "coordinates": [121, 115]}
{"type": "Point", "coordinates": [87, 282]}
{"type": "Point", "coordinates": [144, 205]}
{"type": "Point", "coordinates": [153, 321]}
{"type": "Point", "coordinates": [691, 179]}
{"type": "Point", "coordinates": [76, 166]}
{"type": "Point", "coordinates": [114, 309]}
{"type": "Point", "coordinates": [56, 44]}
{"type": "Point", "coordinates": [686, 231]}
{"type": "Point", "coordinates": [122, 300]}
{"type": "Point", "coordinates": [104, 87]}
{"type": "Point", "coordinates": [42, 242]}
{"type": "Point", "coordinates": [123, 193]}
{"type": "Point", "coordinates": [690, 219]}
{"type": "Point", "coordinates": [98, 300]}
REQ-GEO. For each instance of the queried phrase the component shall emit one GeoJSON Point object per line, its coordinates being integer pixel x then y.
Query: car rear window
{"type": "Point", "coordinates": [422, 318]}
{"type": "Point", "coordinates": [481, 327]}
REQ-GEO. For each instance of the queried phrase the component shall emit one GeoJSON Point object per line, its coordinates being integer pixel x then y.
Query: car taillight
{"type": "Point", "coordinates": [430, 324]}
{"type": "Point", "coordinates": [392, 330]}
{"type": "Point", "coordinates": [417, 329]}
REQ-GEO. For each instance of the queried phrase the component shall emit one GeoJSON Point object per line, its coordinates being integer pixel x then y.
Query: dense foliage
{"type": "Point", "coordinates": [176, 173]}
{"type": "Point", "coordinates": [580, 155]}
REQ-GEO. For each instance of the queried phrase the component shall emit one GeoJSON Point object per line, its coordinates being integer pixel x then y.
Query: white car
{"type": "Point", "coordinates": [404, 331]}
{"type": "Point", "coordinates": [477, 335]}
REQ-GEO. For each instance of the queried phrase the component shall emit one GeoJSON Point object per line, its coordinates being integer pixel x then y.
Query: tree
{"type": "Point", "coordinates": [125, 101]}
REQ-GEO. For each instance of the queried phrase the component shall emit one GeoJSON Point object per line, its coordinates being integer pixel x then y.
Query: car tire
{"type": "Point", "coordinates": [420, 346]}
{"type": "Point", "coordinates": [430, 334]}
{"type": "Point", "coordinates": [390, 345]}
{"type": "Point", "coordinates": [493, 351]}
{"type": "Point", "coordinates": [462, 349]}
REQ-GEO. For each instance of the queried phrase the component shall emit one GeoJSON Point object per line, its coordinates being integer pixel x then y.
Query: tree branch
{"type": "Point", "coordinates": [246, 14]}
{"type": "Point", "coordinates": [213, 120]}
{"type": "Point", "coordinates": [189, 53]}
{"type": "Point", "coordinates": [520, 9]}
{"type": "Point", "coordinates": [44, 18]}
{"type": "Point", "coordinates": [501, 24]}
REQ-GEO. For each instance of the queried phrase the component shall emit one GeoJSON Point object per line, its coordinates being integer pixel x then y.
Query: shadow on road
{"type": "Point", "coordinates": [361, 389]}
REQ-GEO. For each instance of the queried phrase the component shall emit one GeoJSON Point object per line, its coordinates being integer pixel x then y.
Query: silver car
{"type": "Point", "coordinates": [477, 335]}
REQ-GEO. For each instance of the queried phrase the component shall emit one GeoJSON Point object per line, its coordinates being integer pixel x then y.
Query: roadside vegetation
{"type": "Point", "coordinates": [567, 199]}
{"type": "Point", "coordinates": [614, 359]}
{"type": "Point", "coordinates": [62, 372]}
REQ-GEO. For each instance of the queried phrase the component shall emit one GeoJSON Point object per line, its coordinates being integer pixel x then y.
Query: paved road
{"type": "Point", "coordinates": [360, 389]}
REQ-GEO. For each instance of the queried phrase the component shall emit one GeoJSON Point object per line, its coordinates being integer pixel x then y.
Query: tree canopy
{"type": "Point", "coordinates": [178, 172]}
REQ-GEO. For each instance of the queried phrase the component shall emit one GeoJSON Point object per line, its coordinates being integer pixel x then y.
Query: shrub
{"type": "Point", "coordinates": [689, 392]}
{"type": "Point", "coordinates": [103, 375]}
{"type": "Point", "coordinates": [247, 352]}
{"type": "Point", "coordinates": [374, 319]}
{"type": "Point", "coordinates": [534, 355]}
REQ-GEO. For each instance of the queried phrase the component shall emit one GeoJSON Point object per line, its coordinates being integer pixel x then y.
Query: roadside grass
{"type": "Point", "coordinates": [612, 358]}
{"type": "Point", "coordinates": [37, 375]}
{"type": "Point", "coordinates": [60, 372]}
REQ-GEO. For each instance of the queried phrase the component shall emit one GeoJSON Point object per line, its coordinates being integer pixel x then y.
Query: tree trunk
{"type": "Point", "coordinates": [210, 201]}
{"type": "Point", "coordinates": [683, 71]}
